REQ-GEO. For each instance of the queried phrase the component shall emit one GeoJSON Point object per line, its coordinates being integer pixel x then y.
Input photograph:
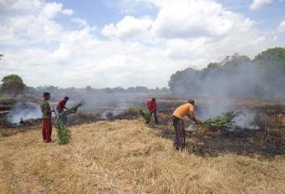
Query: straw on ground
{"type": "Point", "coordinates": [127, 157]}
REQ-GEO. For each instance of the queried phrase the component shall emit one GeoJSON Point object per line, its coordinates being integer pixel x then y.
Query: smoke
{"type": "Point", "coordinates": [23, 112]}
{"type": "Point", "coordinates": [231, 81]}
{"type": "Point", "coordinates": [104, 102]}
{"type": "Point", "coordinates": [237, 78]}
{"type": "Point", "coordinates": [246, 120]}
{"type": "Point", "coordinates": [212, 108]}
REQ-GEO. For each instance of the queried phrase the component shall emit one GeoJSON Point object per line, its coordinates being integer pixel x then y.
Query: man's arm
{"type": "Point", "coordinates": [46, 109]}
{"type": "Point", "coordinates": [193, 118]}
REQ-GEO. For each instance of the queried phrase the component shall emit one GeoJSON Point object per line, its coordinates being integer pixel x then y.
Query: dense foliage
{"type": "Point", "coordinates": [12, 85]}
{"type": "Point", "coordinates": [146, 115]}
{"type": "Point", "coordinates": [223, 121]}
{"type": "Point", "coordinates": [63, 133]}
{"type": "Point", "coordinates": [272, 57]}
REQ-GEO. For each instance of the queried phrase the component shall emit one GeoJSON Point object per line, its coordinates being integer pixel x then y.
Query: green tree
{"type": "Point", "coordinates": [272, 61]}
{"type": "Point", "coordinates": [274, 57]}
{"type": "Point", "coordinates": [185, 82]}
{"type": "Point", "coordinates": [12, 85]}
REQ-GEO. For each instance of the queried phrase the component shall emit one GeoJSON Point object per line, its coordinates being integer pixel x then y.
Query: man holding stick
{"type": "Point", "coordinates": [186, 109]}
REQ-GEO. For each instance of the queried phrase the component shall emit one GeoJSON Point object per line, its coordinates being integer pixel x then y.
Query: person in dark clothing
{"type": "Point", "coordinates": [152, 107]}
{"type": "Point", "coordinates": [60, 108]}
{"type": "Point", "coordinates": [186, 109]}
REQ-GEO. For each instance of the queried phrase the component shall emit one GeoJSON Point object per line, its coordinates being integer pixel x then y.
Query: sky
{"type": "Point", "coordinates": [128, 43]}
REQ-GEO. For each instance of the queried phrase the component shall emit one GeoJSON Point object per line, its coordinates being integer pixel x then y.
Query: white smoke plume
{"type": "Point", "coordinates": [23, 112]}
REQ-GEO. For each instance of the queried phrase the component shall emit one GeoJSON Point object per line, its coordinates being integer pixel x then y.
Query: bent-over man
{"type": "Point", "coordinates": [152, 107]}
{"type": "Point", "coordinates": [60, 108]}
{"type": "Point", "coordinates": [186, 109]}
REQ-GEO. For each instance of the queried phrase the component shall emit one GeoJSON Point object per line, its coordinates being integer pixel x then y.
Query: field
{"type": "Point", "coordinates": [128, 156]}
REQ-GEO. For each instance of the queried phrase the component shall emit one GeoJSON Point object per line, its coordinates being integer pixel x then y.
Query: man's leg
{"type": "Point", "coordinates": [176, 137]}
{"type": "Point", "coordinates": [155, 117]}
{"type": "Point", "coordinates": [44, 130]}
{"type": "Point", "coordinates": [184, 136]}
{"type": "Point", "coordinates": [64, 119]}
{"type": "Point", "coordinates": [48, 131]}
{"type": "Point", "coordinates": [181, 134]}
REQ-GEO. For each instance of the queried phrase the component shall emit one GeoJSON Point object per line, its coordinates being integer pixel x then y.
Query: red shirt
{"type": "Point", "coordinates": [61, 105]}
{"type": "Point", "coordinates": [151, 105]}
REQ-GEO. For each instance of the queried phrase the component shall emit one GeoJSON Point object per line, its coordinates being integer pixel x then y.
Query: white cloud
{"type": "Point", "coordinates": [128, 27]}
{"type": "Point", "coordinates": [67, 12]}
{"type": "Point", "coordinates": [281, 27]}
{"type": "Point", "coordinates": [51, 9]}
{"type": "Point", "coordinates": [204, 30]}
{"type": "Point", "coordinates": [138, 50]}
{"type": "Point", "coordinates": [257, 4]}
{"type": "Point", "coordinates": [34, 24]}
{"type": "Point", "coordinates": [33, 29]}
{"type": "Point", "coordinates": [191, 18]}
{"type": "Point", "coordinates": [28, 5]}
{"type": "Point", "coordinates": [79, 21]}
{"type": "Point", "coordinates": [5, 4]}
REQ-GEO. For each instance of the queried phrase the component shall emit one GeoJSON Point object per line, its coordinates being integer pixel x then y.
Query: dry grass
{"type": "Point", "coordinates": [127, 157]}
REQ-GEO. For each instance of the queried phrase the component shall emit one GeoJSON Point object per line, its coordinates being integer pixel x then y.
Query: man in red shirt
{"type": "Point", "coordinates": [60, 108]}
{"type": "Point", "coordinates": [152, 107]}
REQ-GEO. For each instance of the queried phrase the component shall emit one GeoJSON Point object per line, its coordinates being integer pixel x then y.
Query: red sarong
{"type": "Point", "coordinates": [47, 130]}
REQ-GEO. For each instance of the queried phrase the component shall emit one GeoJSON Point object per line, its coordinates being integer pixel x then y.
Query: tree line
{"type": "Point", "coordinates": [13, 85]}
{"type": "Point", "coordinates": [235, 76]}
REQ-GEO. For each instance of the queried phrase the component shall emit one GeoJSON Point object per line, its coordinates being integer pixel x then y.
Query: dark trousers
{"type": "Point", "coordinates": [154, 115]}
{"type": "Point", "coordinates": [47, 130]}
{"type": "Point", "coordinates": [179, 140]}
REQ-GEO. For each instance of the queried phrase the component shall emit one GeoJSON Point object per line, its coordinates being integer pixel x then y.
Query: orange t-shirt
{"type": "Point", "coordinates": [183, 110]}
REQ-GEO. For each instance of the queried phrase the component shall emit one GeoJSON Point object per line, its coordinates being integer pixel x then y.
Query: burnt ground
{"type": "Point", "coordinates": [247, 142]}
{"type": "Point", "coordinates": [265, 142]}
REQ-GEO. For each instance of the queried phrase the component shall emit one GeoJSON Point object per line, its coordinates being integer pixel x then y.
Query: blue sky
{"type": "Point", "coordinates": [110, 43]}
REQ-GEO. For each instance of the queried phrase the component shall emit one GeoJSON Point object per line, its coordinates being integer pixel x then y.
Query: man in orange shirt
{"type": "Point", "coordinates": [186, 109]}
